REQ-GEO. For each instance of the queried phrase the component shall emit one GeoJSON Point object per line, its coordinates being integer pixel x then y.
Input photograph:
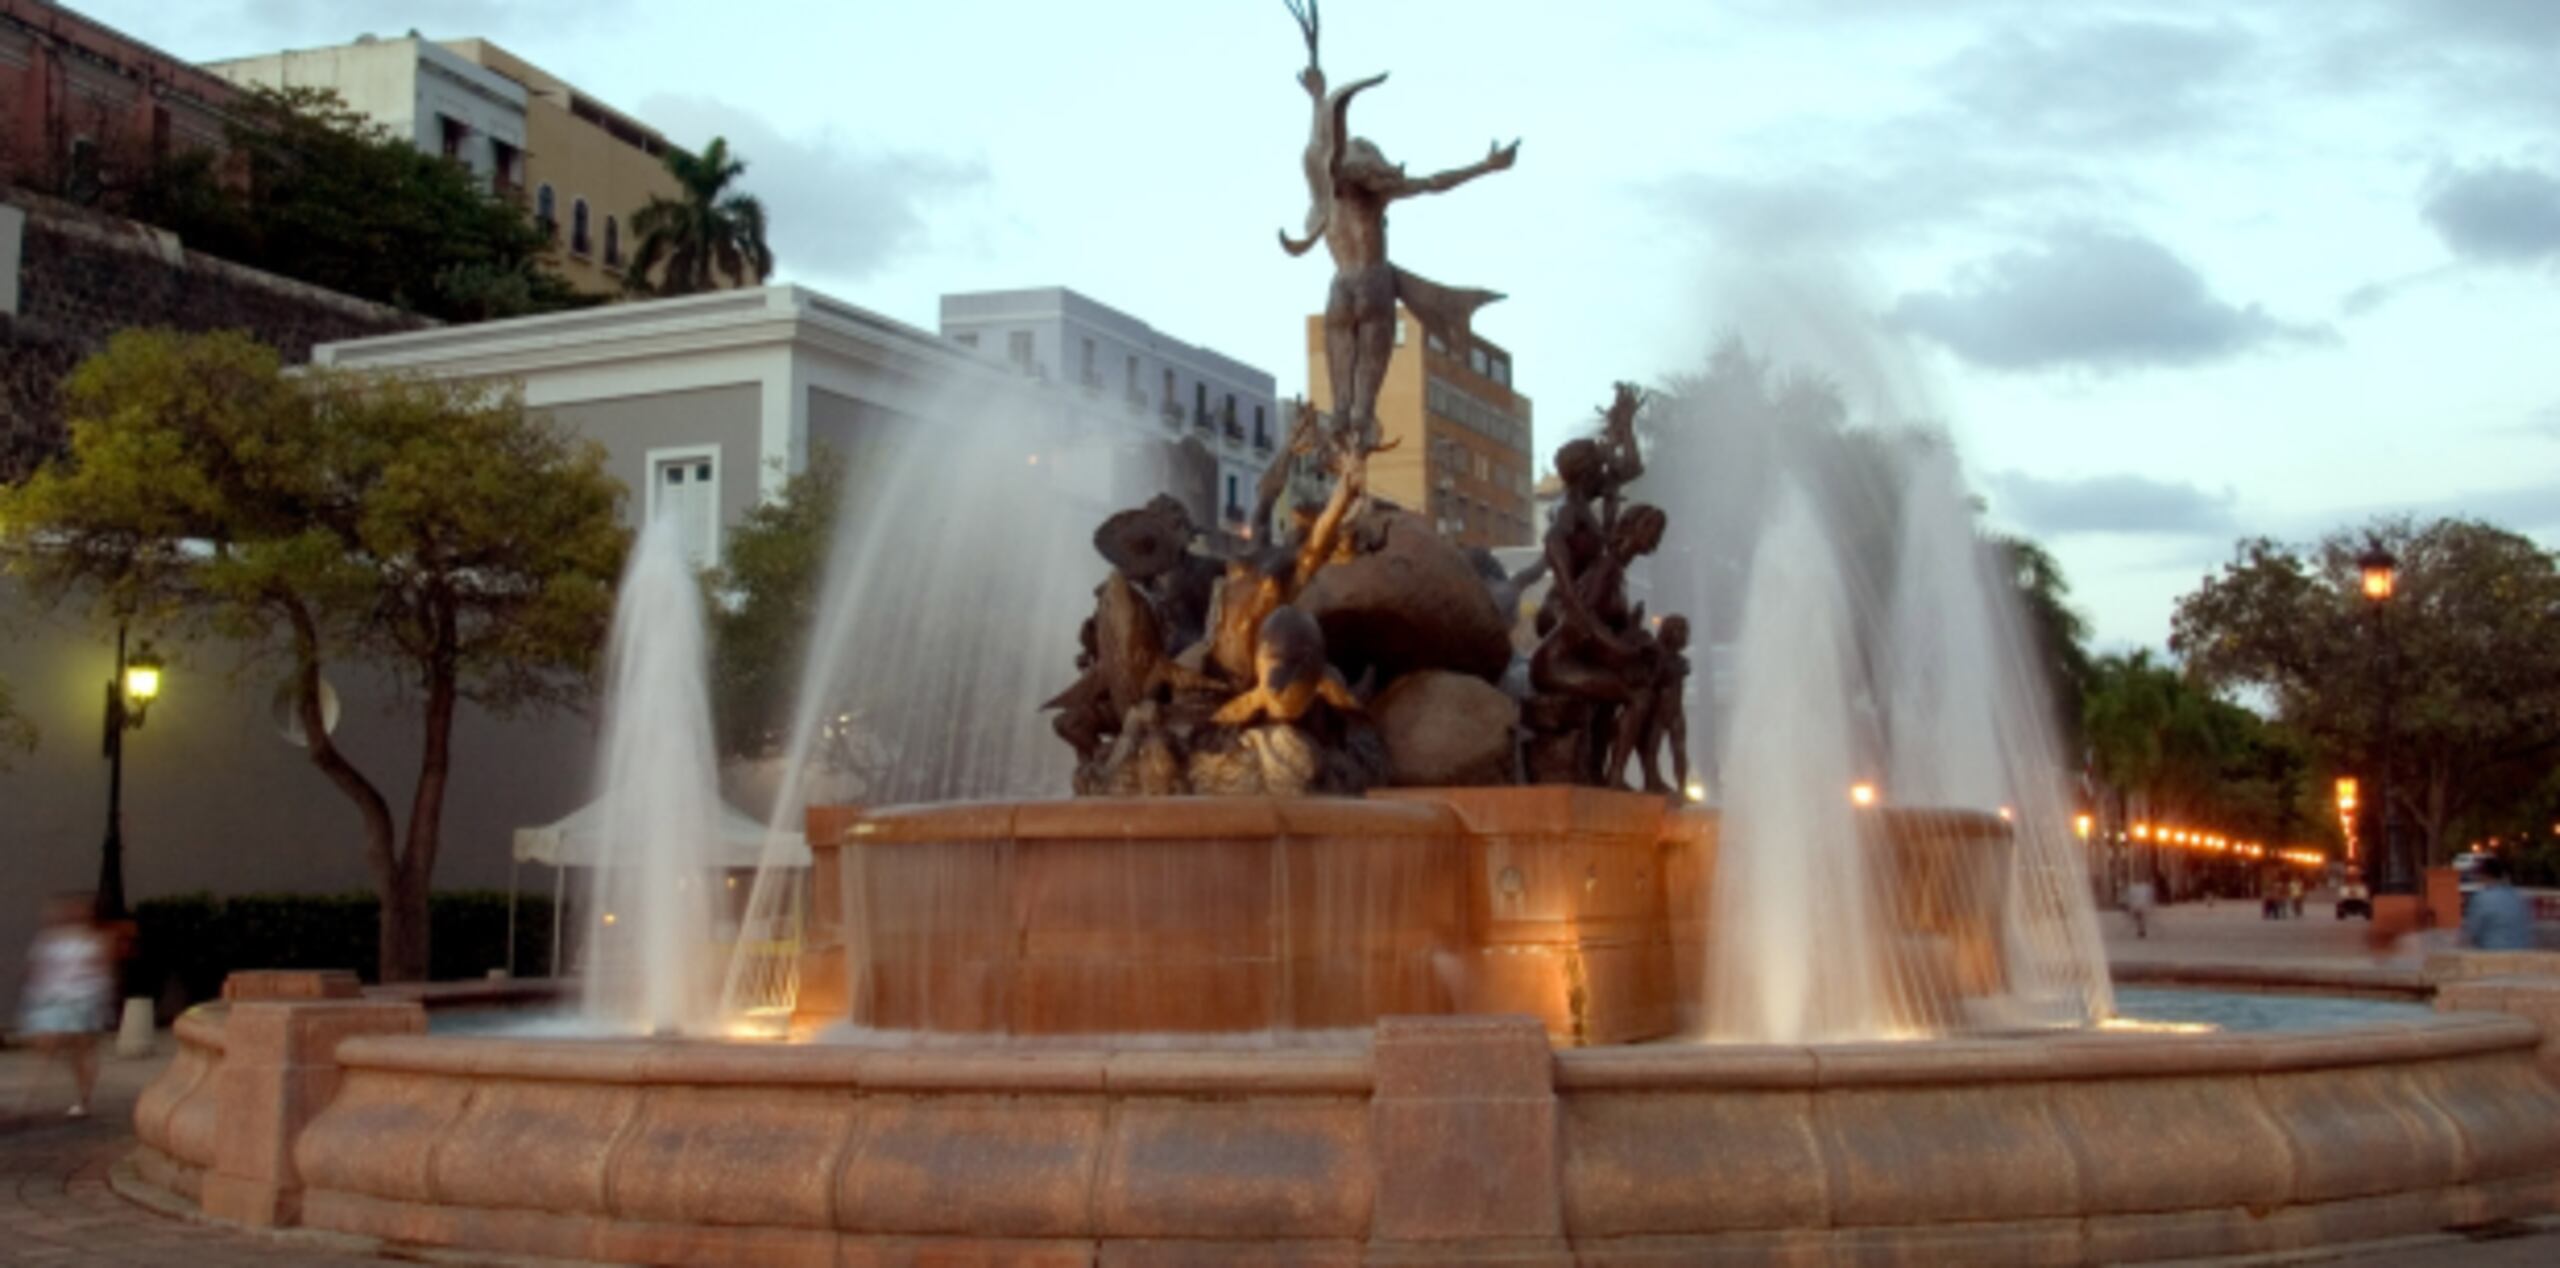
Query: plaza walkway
{"type": "Point", "coordinates": [56, 1207]}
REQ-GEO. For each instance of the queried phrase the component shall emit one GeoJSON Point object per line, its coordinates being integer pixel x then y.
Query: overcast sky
{"type": "Point", "coordinates": [2173, 272]}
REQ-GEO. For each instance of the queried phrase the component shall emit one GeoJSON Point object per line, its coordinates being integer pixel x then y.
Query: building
{"type": "Point", "coordinates": [1125, 373]}
{"type": "Point", "coordinates": [1460, 435]}
{"type": "Point", "coordinates": [82, 104]}
{"type": "Point", "coordinates": [590, 168]}
{"type": "Point", "coordinates": [443, 103]}
{"type": "Point", "coordinates": [583, 168]}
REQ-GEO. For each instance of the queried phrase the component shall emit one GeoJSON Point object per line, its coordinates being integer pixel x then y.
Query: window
{"type": "Point", "coordinates": [578, 241]}
{"type": "Point", "coordinates": [1476, 360]}
{"type": "Point", "coordinates": [685, 485]}
{"type": "Point", "coordinates": [612, 242]}
{"type": "Point", "coordinates": [1200, 404]}
{"type": "Point", "coordinates": [546, 212]}
{"type": "Point", "coordinates": [508, 163]}
{"type": "Point", "coordinates": [1235, 505]}
{"type": "Point", "coordinates": [1400, 333]}
{"type": "Point", "coordinates": [1017, 348]}
{"type": "Point", "coordinates": [1261, 428]}
{"type": "Point", "coordinates": [1132, 379]}
{"type": "Point", "coordinates": [1168, 393]}
{"type": "Point", "coordinates": [454, 132]}
{"type": "Point", "coordinates": [1435, 343]}
{"type": "Point", "coordinates": [1085, 373]}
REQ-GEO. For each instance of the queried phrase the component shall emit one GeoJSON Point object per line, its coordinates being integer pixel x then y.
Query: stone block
{"type": "Point", "coordinates": [974, 1166]}
{"type": "Point", "coordinates": [291, 984]}
{"type": "Point", "coordinates": [1691, 1162]}
{"type": "Point", "coordinates": [1282, 1169]}
{"type": "Point", "coordinates": [2182, 1234]}
{"type": "Point", "coordinates": [2507, 1114]}
{"type": "Point", "coordinates": [278, 1071]}
{"type": "Point", "coordinates": [377, 1136]}
{"type": "Point", "coordinates": [2361, 1131]}
{"type": "Point", "coordinates": [544, 1145]}
{"type": "Point", "coordinates": [713, 1246]}
{"type": "Point", "coordinates": [964, 1252]}
{"type": "Point", "coordinates": [1462, 1128]}
{"type": "Point", "coordinates": [1932, 1154]}
{"type": "Point", "coordinates": [759, 1155]}
{"type": "Point", "coordinates": [2173, 1144]}
{"type": "Point", "coordinates": [1930, 1245]}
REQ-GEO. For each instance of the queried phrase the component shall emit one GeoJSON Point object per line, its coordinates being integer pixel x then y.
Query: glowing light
{"type": "Point", "coordinates": [1035, 460]}
{"type": "Point", "coordinates": [2080, 825]}
{"type": "Point", "coordinates": [2146, 1026]}
{"type": "Point", "coordinates": [1862, 794]}
{"type": "Point", "coordinates": [2007, 815]}
{"type": "Point", "coordinates": [2142, 832]}
{"type": "Point", "coordinates": [608, 917]}
{"type": "Point", "coordinates": [142, 680]}
{"type": "Point", "coordinates": [1696, 791]}
{"type": "Point", "coordinates": [2346, 792]}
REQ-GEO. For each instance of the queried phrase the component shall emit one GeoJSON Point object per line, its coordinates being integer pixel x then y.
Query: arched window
{"type": "Point", "coordinates": [546, 212]}
{"type": "Point", "coordinates": [579, 242]}
{"type": "Point", "coordinates": [612, 242]}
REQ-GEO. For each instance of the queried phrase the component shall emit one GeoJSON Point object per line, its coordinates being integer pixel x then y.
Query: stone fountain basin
{"type": "Point", "coordinates": [1438, 1140]}
{"type": "Point", "coordinates": [1580, 907]}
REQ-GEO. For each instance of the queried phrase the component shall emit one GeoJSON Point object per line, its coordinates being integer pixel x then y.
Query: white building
{"type": "Point", "coordinates": [444, 103]}
{"type": "Point", "coordinates": [1126, 372]}
{"type": "Point", "coordinates": [715, 401]}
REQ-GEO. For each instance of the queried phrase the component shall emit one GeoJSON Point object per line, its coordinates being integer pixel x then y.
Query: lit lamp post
{"type": "Point", "coordinates": [2392, 873]}
{"type": "Point", "coordinates": [129, 695]}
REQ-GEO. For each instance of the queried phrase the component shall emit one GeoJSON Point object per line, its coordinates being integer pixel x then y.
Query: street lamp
{"type": "Point", "coordinates": [130, 691]}
{"type": "Point", "coordinates": [2379, 573]}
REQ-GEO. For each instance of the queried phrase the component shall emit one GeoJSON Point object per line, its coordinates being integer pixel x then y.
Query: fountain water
{"type": "Point", "coordinates": [653, 906]}
{"type": "Point", "coordinates": [1793, 929]}
{"type": "Point", "coordinates": [960, 550]}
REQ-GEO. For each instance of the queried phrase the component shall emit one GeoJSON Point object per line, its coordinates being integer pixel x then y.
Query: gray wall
{"type": "Point", "coordinates": [630, 426]}
{"type": "Point", "coordinates": [216, 800]}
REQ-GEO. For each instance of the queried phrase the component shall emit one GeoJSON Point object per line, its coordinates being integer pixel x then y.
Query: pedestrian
{"type": "Point", "coordinates": [2293, 890]}
{"type": "Point", "coordinates": [70, 981]}
{"type": "Point", "coordinates": [2498, 919]}
{"type": "Point", "coordinates": [2137, 904]}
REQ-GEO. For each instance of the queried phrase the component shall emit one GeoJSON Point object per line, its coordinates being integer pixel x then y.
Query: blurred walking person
{"type": "Point", "coordinates": [70, 982]}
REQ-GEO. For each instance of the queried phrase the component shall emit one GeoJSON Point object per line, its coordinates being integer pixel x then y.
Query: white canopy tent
{"type": "Point", "coordinates": [576, 841]}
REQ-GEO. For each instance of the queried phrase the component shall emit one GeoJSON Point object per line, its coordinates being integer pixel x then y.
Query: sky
{"type": "Point", "coordinates": [2174, 273]}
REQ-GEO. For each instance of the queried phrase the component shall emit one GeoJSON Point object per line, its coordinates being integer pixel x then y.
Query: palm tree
{"type": "Point", "coordinates": [705, 235]}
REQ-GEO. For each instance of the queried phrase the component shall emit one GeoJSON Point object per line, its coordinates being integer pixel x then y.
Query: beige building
{"type": "Point", "coordinates": [583, 168]}
{"type": "Point", "coordinates": [1461, 437]}
{"type": "Point", "coordinates": [589, 168]}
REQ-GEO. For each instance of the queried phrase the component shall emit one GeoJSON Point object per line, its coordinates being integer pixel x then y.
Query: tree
{"type": "Point", "coordinates": [704, 235]}
{"type": "Point", "coordinates": [764, 602]}
{"type": "Point", "coordinates": [326, 196]}
{"type": "Point", "coordinates": [331, 519]}
{"type": "Point", "coordinates": [2468, 648]}
{"type": "Point", "coordinates": [2164, 747]}
{"type": "Point", "coordinates": [2056, 632]}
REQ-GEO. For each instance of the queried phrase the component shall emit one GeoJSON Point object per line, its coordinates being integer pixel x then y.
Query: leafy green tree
{"type": "Point", "coordinates": [765, 599]}
{"type": "Point", "coordinates": [329, 197]}
{"type": "Point", "coordinates": [2165, 748]}
{"type": "Point", "coordinates": [329, 519]}
{"type": "Point", "coordinates": [2468, 649]}
{"type": "Point", "coordinates": [707, 235]}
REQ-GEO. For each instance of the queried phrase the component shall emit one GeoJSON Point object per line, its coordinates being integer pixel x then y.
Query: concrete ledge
{"type": "Point", "coordinates": [1442, 1141]}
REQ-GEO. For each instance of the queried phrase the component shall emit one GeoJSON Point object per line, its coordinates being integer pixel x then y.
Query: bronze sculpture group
{"type": "Point", "coordinates": [1256, 672]}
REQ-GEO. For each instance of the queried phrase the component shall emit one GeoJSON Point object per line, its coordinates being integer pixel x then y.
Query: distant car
{"type": "Point", "coordinates": [2355, 900]}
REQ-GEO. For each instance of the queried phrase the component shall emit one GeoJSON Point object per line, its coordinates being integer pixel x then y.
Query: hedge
{"type": "Point", "coordinates": [188, 943]}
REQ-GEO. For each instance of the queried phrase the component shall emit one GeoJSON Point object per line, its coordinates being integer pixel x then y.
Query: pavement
{"type": "Point", "coordinates": [58, 1208]}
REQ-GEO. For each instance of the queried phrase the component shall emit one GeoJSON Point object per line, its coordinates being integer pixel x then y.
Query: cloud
{"type": "Point", "coordinates": [2496, 212]}
{"type": "Point", "coordinates": [2092, 298]}
{"type": "Point", "coordinates": [1823, 207]}
{"type": "Point", "coordinates": [838, 209]}
{"type": "Point", "coordinates": [2110, 504]}
{"type": "Point", "coordinates": [2106, 83]}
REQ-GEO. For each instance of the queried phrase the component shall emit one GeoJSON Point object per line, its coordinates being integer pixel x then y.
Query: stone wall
{"type": "Point", "coordinates": [80, 277]}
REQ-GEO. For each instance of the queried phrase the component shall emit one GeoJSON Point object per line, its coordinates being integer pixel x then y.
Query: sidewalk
{"type": "Point", "coordinates": [56, 1208]}
{"type": "Point", "coordinates": [2232, 932]}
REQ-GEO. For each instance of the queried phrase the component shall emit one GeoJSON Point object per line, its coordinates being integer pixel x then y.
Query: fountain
{"type": "Point", "coordinates": [1259, 993]}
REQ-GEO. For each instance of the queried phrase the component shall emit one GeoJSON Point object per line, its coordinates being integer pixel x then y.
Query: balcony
{"type": "Point", "coordinates": [1174, 414]}
{"type": "Point", "coordinates": [1262, 442]}
{"type": "Point", "coordinates": [1135, 400]}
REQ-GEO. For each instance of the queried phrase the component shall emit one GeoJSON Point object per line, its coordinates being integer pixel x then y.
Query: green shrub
{"type": "Point", "coordinates": [189, 942]}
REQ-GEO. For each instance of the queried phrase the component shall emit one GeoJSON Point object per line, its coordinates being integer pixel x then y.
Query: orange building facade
{"type": "Point", "coordinates": [1460, 435]}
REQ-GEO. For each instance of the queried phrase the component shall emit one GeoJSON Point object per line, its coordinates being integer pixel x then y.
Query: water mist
{"type": "Point", "coordinates": [652, 909]}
